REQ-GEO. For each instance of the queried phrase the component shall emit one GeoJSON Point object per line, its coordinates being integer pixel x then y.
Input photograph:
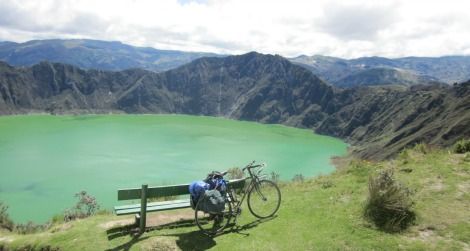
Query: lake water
{"type": "Point", "coordinates": [45, 160]}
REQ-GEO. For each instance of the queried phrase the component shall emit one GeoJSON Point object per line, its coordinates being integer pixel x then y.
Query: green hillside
{"type": "Point", "coordinates": [324, 213]}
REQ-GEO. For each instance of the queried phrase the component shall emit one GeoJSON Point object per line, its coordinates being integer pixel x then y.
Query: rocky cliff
{"type": "Point", "coordinates": [378, 121]}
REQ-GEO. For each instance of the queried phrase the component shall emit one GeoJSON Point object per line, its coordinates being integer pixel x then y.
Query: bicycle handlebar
{"type": "Point", "coordinates": [251, 166]}
{"type": "Point", "coordinates": [248, 167]}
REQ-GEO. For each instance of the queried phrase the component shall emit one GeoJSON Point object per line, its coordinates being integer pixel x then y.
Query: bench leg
{"type": "Point", "coordinates": [143, 209]}
{"type": "Point", "coordinates": [137, 220]}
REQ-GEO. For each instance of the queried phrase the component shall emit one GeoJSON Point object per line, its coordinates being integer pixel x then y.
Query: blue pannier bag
{"type": "Point", "coordinates": [197, 189]}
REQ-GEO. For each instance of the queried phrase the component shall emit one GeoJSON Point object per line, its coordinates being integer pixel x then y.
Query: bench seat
{"type": "Point", "coordinates": [144, 193]}
{"type": "Point", "coordinates": [152, 206]}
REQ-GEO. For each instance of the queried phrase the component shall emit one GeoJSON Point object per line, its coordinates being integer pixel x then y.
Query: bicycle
{"type": "Point", "coordinates": [263, 199]}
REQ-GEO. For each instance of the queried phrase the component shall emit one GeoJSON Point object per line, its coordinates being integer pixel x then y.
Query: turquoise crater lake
{"type": "Point", "coordinates": [45, 160]}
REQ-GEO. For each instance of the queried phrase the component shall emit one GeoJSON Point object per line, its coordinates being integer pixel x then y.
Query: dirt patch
{"type": "Point", "coordinates": [61, 228]}
{"type": "Point", "coordinates": [153, 219]}
{"type": "Point", "coordinates": [435, 185]}
{"type": "Point", "coordinates": [164, 218]}
{"type": "Point", "coordinates": [427, 235]}
{"type": "Point", "coordinates": [117, 223]}
{"type": "Point", "coordinates": [7, 239]}
{"type": "Point", "coordinates": [160, 244]}
{"type": "Point", "coordinates": [341, 162]}
{"type": "Point", "coordinates": [430, 236]}
{"type": "Point", "coordinates": [463, 189]}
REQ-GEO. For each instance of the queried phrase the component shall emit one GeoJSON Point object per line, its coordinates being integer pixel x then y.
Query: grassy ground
{"type": "Point", "coordinates": [324, 213]}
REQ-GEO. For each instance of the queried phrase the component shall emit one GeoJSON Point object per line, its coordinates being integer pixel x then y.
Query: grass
{"type": "Point", "coordinates": [323, 213]}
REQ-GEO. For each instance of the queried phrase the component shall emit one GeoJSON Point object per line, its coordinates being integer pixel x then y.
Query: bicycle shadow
{"type": "Point", "coordinates": [133, 230]}
{"type": "Point", "coordinates": [239, 229]}
{"type": "Point", "coordinates": [194, 240]}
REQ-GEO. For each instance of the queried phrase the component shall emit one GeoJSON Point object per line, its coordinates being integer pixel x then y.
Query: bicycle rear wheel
{"type": "Point", "coordinates": [264, 199]}
{"type": "Point", "coordinates": [212, 223]}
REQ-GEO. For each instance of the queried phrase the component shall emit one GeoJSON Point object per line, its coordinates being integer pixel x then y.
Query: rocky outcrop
{"type": "Point", "coordinates": [380, 122]}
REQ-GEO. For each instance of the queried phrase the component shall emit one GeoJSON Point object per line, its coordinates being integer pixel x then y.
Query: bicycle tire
{"type": "Point", "coordinates": [212, 224]}
{"type": "Point", "coordinates": [264, 199]}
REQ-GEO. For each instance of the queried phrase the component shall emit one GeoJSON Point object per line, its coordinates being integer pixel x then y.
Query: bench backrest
{"type": "Point", "coordinates": [163, 191]}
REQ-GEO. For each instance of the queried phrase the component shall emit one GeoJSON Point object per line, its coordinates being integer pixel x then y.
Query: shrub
{"type": "Point", "coordinates": [274, 176]}
{"type": "Point", "coordinates": [5, 221]}
{"type": "Point", "coordinates": [404, 156]}
{"type": "Point", "coordinates": [298, 178]}
{"type": "Point", "coordinates": [85, 207]}
{"type": "Point", "coordinates": [462, 146]}
{"type": "Point", "coordinates": [421, 148]}
{"type": "Point", "coordinates": [389, 204]}
{"type": "Point", "coordinates": [30, 248]}
{"type": "Point", "coordinates": [235, 173]}
{"type": "Point", "coordinates": [466, 158]}
{"type": "Point", "coordinates": [31, 227]}
{"type": "Point", "coordinates": [327, 184]}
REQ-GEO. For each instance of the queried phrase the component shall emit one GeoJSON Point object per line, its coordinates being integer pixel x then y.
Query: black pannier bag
{"type": "Point", "coordinates": [212, 202]}
{"type": "Point", "coordinates": [210, 193]}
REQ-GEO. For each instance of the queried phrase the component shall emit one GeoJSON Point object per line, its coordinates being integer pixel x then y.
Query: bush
{"type": "Point", "coordinates": [404, 156]}
{"type": "Point", "coordinates": [274, 177]}
{"type": "Point", "coordinates": [298, 178]}
{"type": "Point", "coordinates": [85, 207]}
{"type": "Point", "coordinates": [462, 146]}
{"type": "Point", "coordinates": [31, 227]}
{"type": "Point", "coordinates": [466, 158]}
{"type": "Point", "coordinates": [235, 173]}
{"type": "Point", "coordinates": [30, 248]}
{"type": "Point", "coordinates": [5, 221]}
{"type": "Point", "coordinates": [421, 148]}
{"type": "Point", "coordinates": [389, 204]}
{"type": "Point", "coordinates": [327, 184]}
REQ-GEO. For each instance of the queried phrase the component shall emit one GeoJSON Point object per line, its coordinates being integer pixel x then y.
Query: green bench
{"type": "Point", "coordinates": [144, 193]}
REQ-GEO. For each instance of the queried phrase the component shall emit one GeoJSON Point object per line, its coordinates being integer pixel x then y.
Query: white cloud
{"type": "Point", "coordinates": [337, 28]}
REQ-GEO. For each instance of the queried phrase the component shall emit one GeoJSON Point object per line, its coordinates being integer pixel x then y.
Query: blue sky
{"type": "Point", "coordinates": [353, 28]}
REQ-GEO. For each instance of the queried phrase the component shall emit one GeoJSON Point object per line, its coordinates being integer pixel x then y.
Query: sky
{"type": "Point", "coordinates": [346, 28]}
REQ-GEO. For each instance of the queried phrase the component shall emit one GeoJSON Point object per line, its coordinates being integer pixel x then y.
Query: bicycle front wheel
{"type": "Point", "coordinates": [264, 199]}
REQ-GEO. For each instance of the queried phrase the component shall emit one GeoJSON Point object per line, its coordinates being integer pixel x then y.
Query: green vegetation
{"type": "Point", "coordinates": [462, 146]}
{"type": "Point", "coordinates": [5, 221]}
{"type": "Point", "coordinates": [323, 213]}
{"type": "Point", "coordinates": [389, 203]}
{"type": "Point", "coordinates": [298, 178]}
{"type": "Point", "coordinates": [85, 207]}
{"type": "Point", "coordinates": [235, 173]}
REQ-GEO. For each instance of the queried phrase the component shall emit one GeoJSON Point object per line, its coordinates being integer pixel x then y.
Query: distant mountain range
{"type": "Point", "coordinates": [94, 54]}
{"type": "Point", "coordinates": [116, 56]}
{"type": "Point", "coordinates": [385, 76]}
{"type": "Point", "coordinates": [379, 70]}
{"type": "Point", "coordinates": [378, 121]}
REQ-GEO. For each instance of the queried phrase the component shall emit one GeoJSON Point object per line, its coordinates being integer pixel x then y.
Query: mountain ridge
{"type": "Point", "coordinates": [117, 56]}
{"type": "Point", "coordinates": [448, 69]}
{"type": "Point", "coordinates": [94, 54]}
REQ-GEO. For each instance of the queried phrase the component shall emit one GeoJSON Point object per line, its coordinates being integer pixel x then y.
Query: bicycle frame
{"type": "Point", "coordinates": [254, 181]}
